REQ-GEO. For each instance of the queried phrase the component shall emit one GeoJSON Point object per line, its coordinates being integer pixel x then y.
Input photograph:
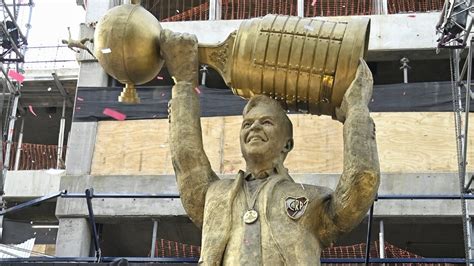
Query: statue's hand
{"type": "Point", "coordinates": [180, 52]}
{"type": "Point", "coordinates": [358, 94]}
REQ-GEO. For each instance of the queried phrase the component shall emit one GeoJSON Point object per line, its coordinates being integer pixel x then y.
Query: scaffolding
{"type": "Point", "coordinates": [454, 28]}
{"type": "Point", "coordinates": [13, 47]}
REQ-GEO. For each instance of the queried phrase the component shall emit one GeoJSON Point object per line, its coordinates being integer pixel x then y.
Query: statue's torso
{"type": "Point", "coordinates": [275, 239]}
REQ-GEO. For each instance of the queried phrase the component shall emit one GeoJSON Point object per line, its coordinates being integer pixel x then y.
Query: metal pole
{"type": "Point", "coordinates": [153, 238]}
{"type": "Point", "coordinates": [464, 155]}
{"type": "Point", "coordinates": [300, 8]}
{"type": "Point", "coordinates": [19, 144]}
{"type": "Point", "coordinates": [11, 128]}
{"type": "Point", "coordinates": [61, 137]}
{"type": "Point", "coordinates": [204, 75]}
{"type": "Point", "coordinates": [369, 235]}
{"type": "Point", "coordinates": [460, 142]}
{"type": "Point", "coordinates": [89, 196]}
{"type": "Point", "coordinates": [215, 9]}
{"type": "Point", "coordinates": [404, 61]}
{"type": "Point", "coordinates": [381, 240]}
{"type": "Point", "coordinates": [384, 9]}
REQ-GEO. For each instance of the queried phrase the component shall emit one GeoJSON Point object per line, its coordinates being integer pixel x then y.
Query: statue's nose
{"type": "Point", "coordinates": [255, 125]}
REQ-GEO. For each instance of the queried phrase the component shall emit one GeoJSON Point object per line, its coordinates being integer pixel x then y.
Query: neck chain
{"type": "Point", "coordinates": [251, 215]}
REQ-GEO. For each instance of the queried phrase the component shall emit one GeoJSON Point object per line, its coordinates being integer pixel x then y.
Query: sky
{"type": "Point", "coordinates": [49, 22]}
{"type": "Point", "coordinates": [50, 19]}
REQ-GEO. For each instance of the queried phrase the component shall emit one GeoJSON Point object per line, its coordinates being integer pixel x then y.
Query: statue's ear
{"type": "Point", "coordinates": [288, 146]}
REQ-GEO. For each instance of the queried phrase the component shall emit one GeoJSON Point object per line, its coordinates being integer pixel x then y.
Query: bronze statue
{"type": "Point", "coordinates": [262, 216]}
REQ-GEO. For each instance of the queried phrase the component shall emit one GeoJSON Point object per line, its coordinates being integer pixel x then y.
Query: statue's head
{"type": "Point", "coordinates": [267, 132]}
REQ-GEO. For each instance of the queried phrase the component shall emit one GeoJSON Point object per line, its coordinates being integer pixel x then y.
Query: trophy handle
{"type": "Point", "coordinates": [219, 57]}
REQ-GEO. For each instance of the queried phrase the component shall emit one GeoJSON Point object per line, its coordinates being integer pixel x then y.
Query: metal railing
{"type": "Point", "coordinates": [89, 194]}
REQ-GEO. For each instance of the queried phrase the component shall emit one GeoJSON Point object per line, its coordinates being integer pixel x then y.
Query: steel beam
{"type": "Point", "coordinates": [61, 89]}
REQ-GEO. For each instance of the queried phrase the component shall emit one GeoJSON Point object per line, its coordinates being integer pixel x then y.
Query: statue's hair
{"type": "Point", "coordinates": [265, 100]}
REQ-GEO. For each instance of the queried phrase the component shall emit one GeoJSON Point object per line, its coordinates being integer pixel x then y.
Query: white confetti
{"type": "Point", "coordinates": [49, 89]}
{"type": "Point", "coordinates": [106, 51]}
{"type": "Point", "coordinates": [308, 27]}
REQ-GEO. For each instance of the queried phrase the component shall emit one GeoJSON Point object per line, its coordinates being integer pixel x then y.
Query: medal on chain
{"type": "Point", "coordinates": [251, 215]}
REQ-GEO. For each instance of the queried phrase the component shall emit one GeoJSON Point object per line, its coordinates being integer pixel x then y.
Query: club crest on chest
{"type": "Point", "coordinates": [295, 207]}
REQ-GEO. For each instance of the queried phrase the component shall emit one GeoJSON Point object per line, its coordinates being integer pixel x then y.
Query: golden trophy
{"type": "Point", "coordinates": [305, 63]}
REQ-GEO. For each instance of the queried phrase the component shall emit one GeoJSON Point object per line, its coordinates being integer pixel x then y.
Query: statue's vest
{"type": "Point", "coordinates": [296, 239]}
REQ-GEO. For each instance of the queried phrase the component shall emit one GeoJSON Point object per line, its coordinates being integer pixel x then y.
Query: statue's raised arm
{"type": "Point", "coordinates": [191, 165]}
{"type": "Point", "coordinates": [360, 179]}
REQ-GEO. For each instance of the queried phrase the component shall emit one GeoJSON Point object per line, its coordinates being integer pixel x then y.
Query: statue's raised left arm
{"type": "Point", "coordinates": [348, 204]}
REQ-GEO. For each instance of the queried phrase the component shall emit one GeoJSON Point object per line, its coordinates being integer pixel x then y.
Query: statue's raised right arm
{"type": "Point", "coordinates": [191, 165]}
{"type": "Point", "coordinates": [360, 179]}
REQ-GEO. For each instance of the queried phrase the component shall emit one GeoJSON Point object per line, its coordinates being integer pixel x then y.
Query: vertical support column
{"type": "Point", "coordinates": [11, 128]}
{"type": "Point", "coordinates": [19, 144]}
{"type": "Point", "coordinates": [74, 238]}
{"type": "Point", "coordinates": [384, 7]}
{"type": "Point", "coordinates": [81, 140]}
{"type": "Point", "coordinates": [380, 7]}
{"type": "Point", "coordinates": [215, 9]}
{"type": "Point", "coordinates": [62, 125]}
{"type": "Point", "coordinates": [381, 240]}
{"type": "Point", "coordinates": [300, 8]}
{"type": "Point", "coordinates": [153, 238]}
{"type": "Point", "coordinates": [404, 61]}
{"type": "Point", "coordinates": [369, 234]}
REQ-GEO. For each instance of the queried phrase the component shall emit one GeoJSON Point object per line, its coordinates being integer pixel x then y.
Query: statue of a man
{"type": "Point", "coordinates": [262, 216]}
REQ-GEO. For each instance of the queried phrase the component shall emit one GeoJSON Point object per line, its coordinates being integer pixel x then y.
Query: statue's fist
{"type": "Point", "coordinates": [180, 52]}
{"type": "Point", "coordinates": [359, 93]}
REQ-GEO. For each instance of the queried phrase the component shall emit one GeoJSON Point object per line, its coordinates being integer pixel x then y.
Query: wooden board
{"type": "Point", "coordinates": [407, 143]}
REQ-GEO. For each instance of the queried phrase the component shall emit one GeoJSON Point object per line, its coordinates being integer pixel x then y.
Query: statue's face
{"type": "Point", "coordinates": [263, 133]}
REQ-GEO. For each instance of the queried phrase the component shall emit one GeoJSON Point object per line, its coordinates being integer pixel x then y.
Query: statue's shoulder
{"type": "Point", "coordinates": [222, 183]}
{"type": "Point", "coordinates": [310, 191]}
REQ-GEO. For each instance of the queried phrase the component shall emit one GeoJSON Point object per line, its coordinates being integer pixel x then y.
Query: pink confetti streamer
{"type": "Point", "coordinates": [80, 99]}
{"type": "Point", "coordinates": [16, 76]}
{"type": "Point", "coordinates": [159, 77]}
{"type": "Point", "coordinates": [114, 114]}
{"type": "Point", "coordinates": [314, 2]}
{"type": "Point", "coordinates": [197, 90]}
{"type": "Point", "coordinates": [30, 108]}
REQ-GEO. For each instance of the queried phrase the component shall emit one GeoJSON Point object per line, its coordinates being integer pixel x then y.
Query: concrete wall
{"type": "Point", "coordinates": [400, 33]}
{"type": "Point", "coordinates": [392, 184]}
{"type": "Point", "coordinates": [24, 185]}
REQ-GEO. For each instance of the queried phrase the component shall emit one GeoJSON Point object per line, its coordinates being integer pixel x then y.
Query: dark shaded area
{"type": "Point", "coordinates": [410, 97]}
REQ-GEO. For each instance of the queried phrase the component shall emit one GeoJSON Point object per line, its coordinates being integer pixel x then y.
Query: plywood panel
{"type": "Point", "coordinates": [407, 142]}
{"type": "Point", "coordinates": [142, 146]}
{"type": "Point", "coordinates": [131, 147]}
{"type": "Point", "coordinates": [318, 145]}
{"type": "Point", "coordinates": [232, 159]}
{"type": "Point", "coordinates": [416, 142]}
